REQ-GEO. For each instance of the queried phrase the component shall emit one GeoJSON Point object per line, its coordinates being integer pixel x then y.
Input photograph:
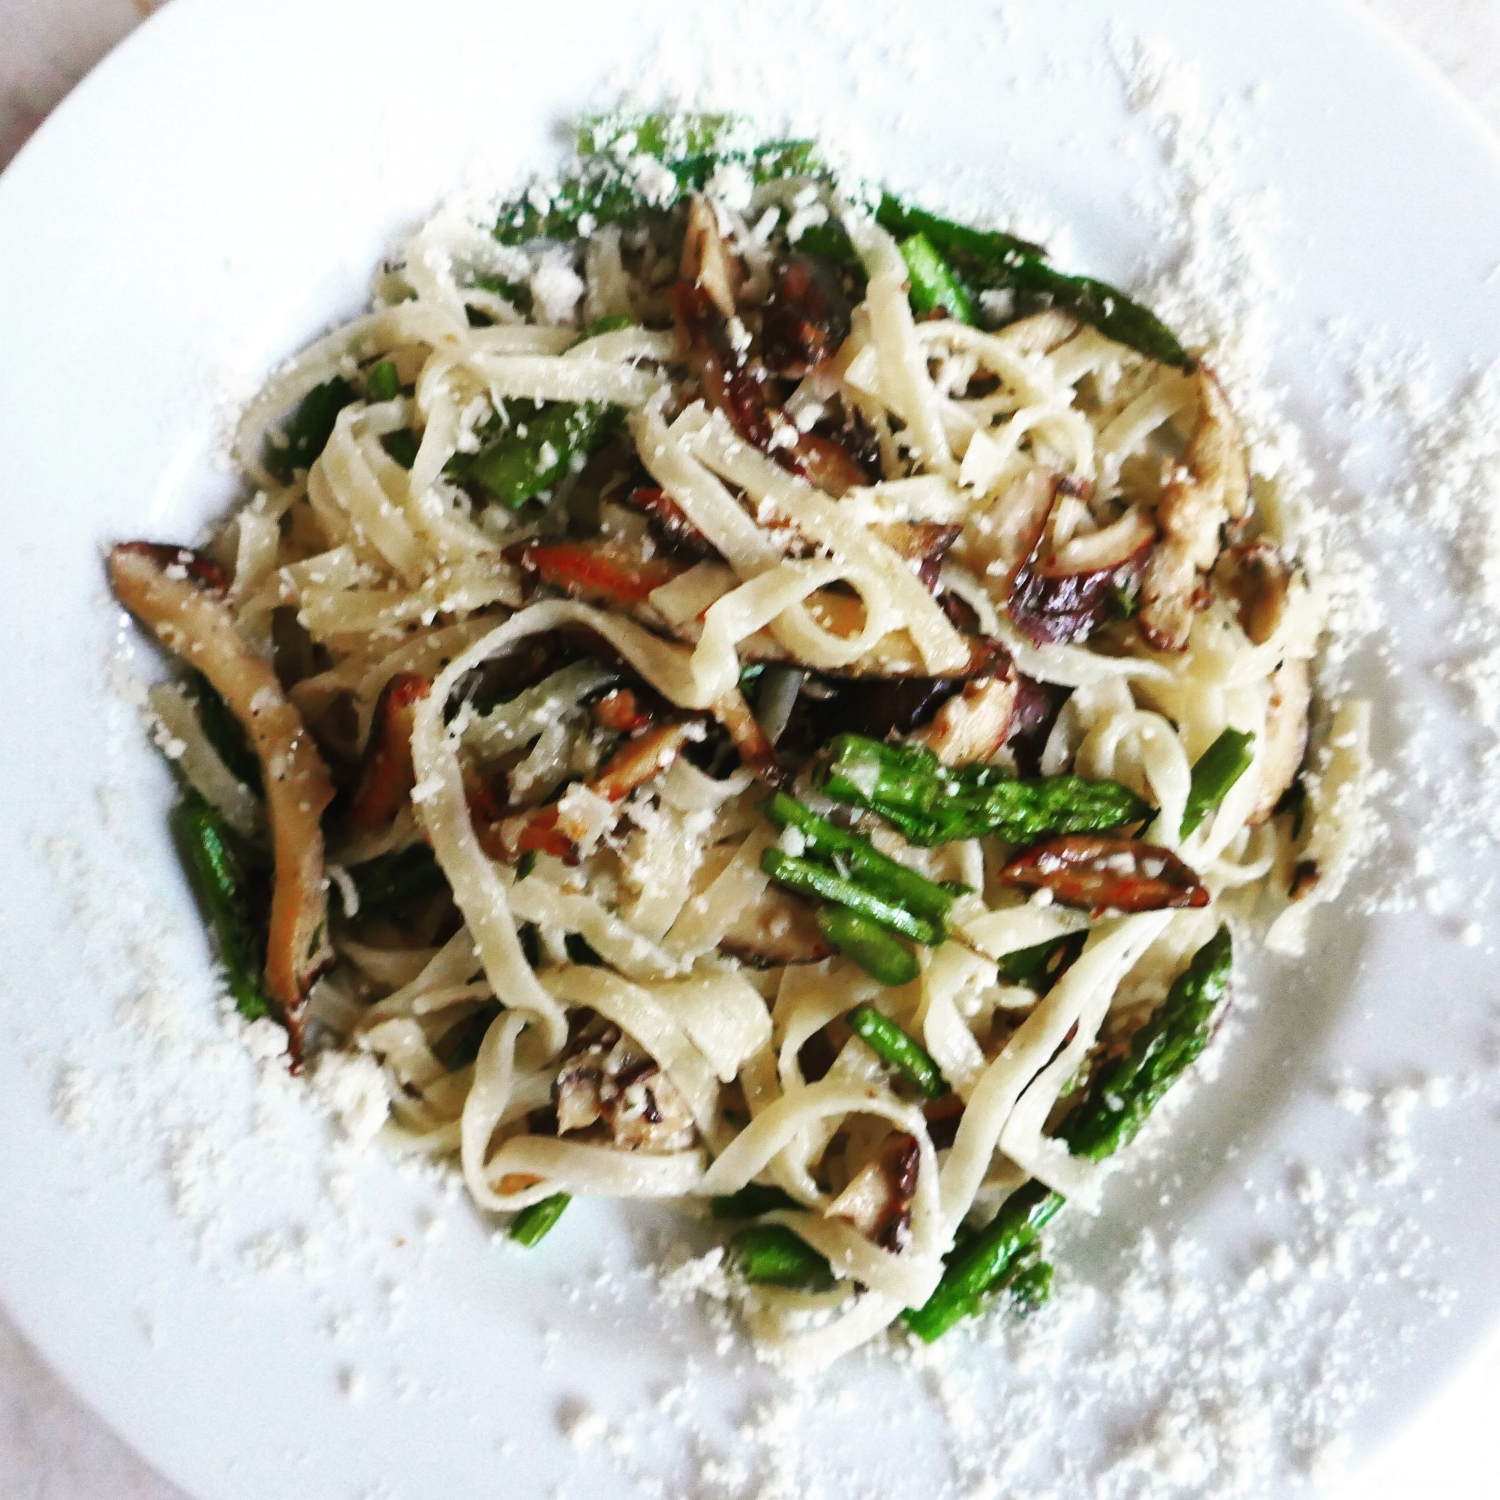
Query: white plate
{"type": "Point", "coordinates": [219, 190]}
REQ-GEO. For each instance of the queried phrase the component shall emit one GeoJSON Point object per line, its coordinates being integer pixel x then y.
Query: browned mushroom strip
{"type": "Point", "coordinates": [1002, 539]}
{"type": "Point", "coordinates": [878, 1199]}
{"type": "Point", "coordinates": [610, 1084]}
{"type": "Point", "coordinates": [385, 773]}
{"type": "Point", "coordinates": [719, 352]}
{"type": "Point", "coordinates": [806, 318]}
{"type": "Point", "coordinates": [1256, 580]}
{"type": "Point", "coordinates": [972, 727]}
{"type": "Point", "coordinates": [1286, 736]}
{"type": "Point", "coordinates": [756, 752]}
{"type": "Point", "coordinates": [1102, 873]}
{"type": "Point", "coordinates": [165, 589]}
{"type": "Point", "coordinates": [641, 759]}
{"type": "Point", "coordinates": [706, 260]}
{"type": "Point", "coordinates": [1068, 595]}
{"type": "Point", "coordinates": [1210, 487]}
{"type": "Point", "coordinates": [556, 828]}
{"type": "Point", "coordinates": [923, 542]}
{"type": "Point", "coordinates": [776, 928]}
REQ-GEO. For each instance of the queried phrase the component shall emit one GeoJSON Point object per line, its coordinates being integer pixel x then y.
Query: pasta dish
{"type": "Point", "coordinates": [730, 687]}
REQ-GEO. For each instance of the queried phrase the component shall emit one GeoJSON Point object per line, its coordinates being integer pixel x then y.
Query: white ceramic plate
{"type": "Point", "coordinates": [218, 191]}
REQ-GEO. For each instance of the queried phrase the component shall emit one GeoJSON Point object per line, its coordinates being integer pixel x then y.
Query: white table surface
{"type": "Point", "coordinates": [52, 1447]}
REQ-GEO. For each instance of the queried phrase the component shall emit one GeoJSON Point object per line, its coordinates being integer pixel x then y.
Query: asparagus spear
{"type": "Point", "coordinates": [868, 944]}
{"type": "Point", "coordinates": [542, 445]}
{"type": "Point", "coordinates": [515, 467]}
{"type": "Point", "coordinates": [771, 1255]}
{"type": "Point", "coordinates": [402, 445]}
{"type": "Point", "coordinates": [897, 1050]}
{"type": "Point", "coordinates": [611, 324]}
{"type": "Point", "coordinates": [224, 732]}
{"type": "Point", "coordinates": [390, 881]}
{"type": "Point", "coordinates": [989, 261]}
{"type": "Point", "coordinates": [219, 869]}
{"type": "Point", "coordinates": [459, 1046]}
{"type": "Point", "coordinates": [600, 192]}
{"type": "Point", "coordinates": [382, 383]}
{"type": "Point", "coordinates": [751, 1202]}
{"type": "Point", "coordinates": [310, 427]}
{"type": "Point", "coordinates": [534, 1223]}
{"type": "Point", "coordinates": [818, 880]}
{"type": "Point", "coordinates": [661, 135]}
{"type": "Point", "coordinates": [933, 284]}
{"type": "Point", "coordinates": [1031, 1286]}
{"type": "Point", "coordinates": [985, 1261]}
{"type": "Point", "coordinates": [1118, 1101]}
{"type": "Point", "coordinates": [933, 804]}
{"type": "Point", "coordinates": [988, 251]}
{"type": "Point", "coordinates": [697, 143]}
{"type": "Point", "coordinates": [1214, 772]}
{"type": "Point", "coordinates": [830, 241]}
{"type": "Point", "coordinates": [855, 855]}
{"type": "Point", "coordinates": [1126, 1090]}
{"type": "Point", "coordinates": [1041, 966]}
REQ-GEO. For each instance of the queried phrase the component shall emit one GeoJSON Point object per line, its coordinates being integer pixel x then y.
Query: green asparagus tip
{"type": "Point", "coordinates": [1042, 965]}
{"type": "Point", "coordinates": [935, 804]}
{"type": "Point", "coordinates": [1120, 1097]}
{"type": "Point", "coordinates": [854, 855]}
{"type": "Point", "coordinates": [306, 434]}
{"type": "Point", "coordinates": [1028, 1289]}
{"type": "Point", "coordinates": [985, 1261]}
{"type": "Point", "coordinates": [897, 1050]}
{"type": "Point", "coordinates": [771, 1255]}
{"type": "Point", "coordinates": [383, 383]}
{"type": "Point", "coordinates": [812, 879]}
{"type": "Point", "coordinates": [934, 287]}
{"type": "Point", "coordinates": [1214, 773]}
{"type": "Point", "coordinates": [219, 869]}
{"type": "Point", "coordinates": [514, 468]}
{"type": "Point", "coordinates": [533, 1224]}
{"type": "Point", "coordinates": [1127, 1089]}
{"type": "Point", "coordinates": [751, 1202]}
{"type": "Point", "coordinates": [869, 945]}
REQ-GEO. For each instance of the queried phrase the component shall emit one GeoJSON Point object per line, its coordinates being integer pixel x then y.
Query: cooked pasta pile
{"type": "Point", "coordinates": [730, 692]}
